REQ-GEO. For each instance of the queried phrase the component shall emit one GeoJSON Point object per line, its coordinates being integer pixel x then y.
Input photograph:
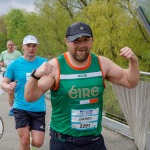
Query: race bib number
{"type": "Point", "coordinates": [28, 75]}
{"type": "Point", "coordinates": [85, 119]}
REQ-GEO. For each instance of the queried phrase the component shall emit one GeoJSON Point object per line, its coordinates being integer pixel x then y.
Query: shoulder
{"type": "Point", "coordinates": [18, 60]}
{"type": "Point", "coordinates": [94, 56]}
{"type": "Point", "coordinates": [57, 60]}
{"type": "Point", "coordinates": [3, 52]}
{"type": "Point", "coordinates": [104, 60]}
{"type": "Point", "coordinates": [106, 64]}
{"type": "Point", "coordinates": [41, 58]}
{"type": "Point", "coordinates": [54, 62]}
{"type": "Point", "coordinates": [17, 52]}
{"type": "Point", "coordinates": [61, 57]}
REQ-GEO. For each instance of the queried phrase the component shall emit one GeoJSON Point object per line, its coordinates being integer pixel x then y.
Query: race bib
{"type": "Point", "coordinates": [85, 119]}
{"type": "Point", "coordinates": [28, 75]}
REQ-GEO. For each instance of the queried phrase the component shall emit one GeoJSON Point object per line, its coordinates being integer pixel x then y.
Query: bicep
{"type": "Point", "coordinates": [116, 74]}
{"type": "Point", "coordinates": [113, 72]}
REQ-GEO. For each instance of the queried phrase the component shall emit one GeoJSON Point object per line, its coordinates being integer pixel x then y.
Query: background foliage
{"type": "Point", "coordinates": [115, 24]}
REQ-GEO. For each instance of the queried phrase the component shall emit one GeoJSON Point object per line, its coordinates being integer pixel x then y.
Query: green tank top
{"type": "Point", "coordinates": [78, 101]}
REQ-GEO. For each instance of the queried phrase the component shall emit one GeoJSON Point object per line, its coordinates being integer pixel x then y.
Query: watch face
{"type": "Point", "coordinates": [1, 127]}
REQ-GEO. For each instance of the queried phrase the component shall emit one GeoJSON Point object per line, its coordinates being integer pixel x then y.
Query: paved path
{"type": "Point", "coordinates": [10, 140]}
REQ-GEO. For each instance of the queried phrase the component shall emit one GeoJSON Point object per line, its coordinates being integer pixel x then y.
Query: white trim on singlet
{"type": "Point", "coordinates": [82, 75]}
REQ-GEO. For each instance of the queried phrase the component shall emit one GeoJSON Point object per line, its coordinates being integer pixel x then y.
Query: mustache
{"type": "Point", "coordinates": [82, 48]}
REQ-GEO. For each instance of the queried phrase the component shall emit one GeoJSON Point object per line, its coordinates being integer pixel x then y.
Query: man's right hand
{"type": "Point", "coordinates": [11, 86]}
{"type": "Point", "coordinates": [44, 69]}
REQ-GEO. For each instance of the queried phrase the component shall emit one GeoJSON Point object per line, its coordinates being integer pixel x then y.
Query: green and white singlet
{"type": "Point", "coordinates": [77, 100]}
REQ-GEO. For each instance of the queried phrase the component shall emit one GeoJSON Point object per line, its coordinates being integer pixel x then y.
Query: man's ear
{"type": "Point", "coordinates": [66, 41]}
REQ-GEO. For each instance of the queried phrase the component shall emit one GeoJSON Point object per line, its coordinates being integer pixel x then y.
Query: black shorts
{"type": "Point", "coordinates": [36, 120]}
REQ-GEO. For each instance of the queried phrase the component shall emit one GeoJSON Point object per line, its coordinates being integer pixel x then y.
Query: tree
{"type": "Point", "coordinates": [52, 27]}
{"type": "Point", "coordinates": [16, 26]}
{"type": "Point", "coordinates": [114, 27]}
{"type": "Point", "coordinates": [3, 34]}
{"type": "Point", "coordinates": [114, 22]}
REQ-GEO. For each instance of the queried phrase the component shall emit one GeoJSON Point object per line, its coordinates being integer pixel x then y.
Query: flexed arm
{"type": "Point", "coordinates": [133, 73]}
{"type": "Point", "coordinates": [124, 77]}
{"type": "Point", "coordinates": [34, 88]}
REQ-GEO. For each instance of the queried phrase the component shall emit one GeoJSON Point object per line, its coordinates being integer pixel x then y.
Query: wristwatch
{"type": "Point", "coordinates": [33, 75]}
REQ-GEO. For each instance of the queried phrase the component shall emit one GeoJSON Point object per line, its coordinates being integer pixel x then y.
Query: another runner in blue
{"type": "Point", "coordinates": [28, 116]}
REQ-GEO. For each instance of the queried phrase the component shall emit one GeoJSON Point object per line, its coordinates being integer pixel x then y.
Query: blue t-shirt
{"type": "Point", "coordinates": [20, 71]}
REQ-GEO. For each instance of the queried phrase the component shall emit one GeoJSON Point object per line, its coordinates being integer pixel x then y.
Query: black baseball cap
{"type": "Point", "coordinates": [78, 29]}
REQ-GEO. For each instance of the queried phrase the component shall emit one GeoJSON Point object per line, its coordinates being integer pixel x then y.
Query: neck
{"type": "Point", "coordinates": [9, 51]}
{"type": "Point", "coordinates": [29, 58]}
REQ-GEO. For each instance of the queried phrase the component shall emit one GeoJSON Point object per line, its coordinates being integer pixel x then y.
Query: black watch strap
{"type": "Point", "coordinates": [33, 75]}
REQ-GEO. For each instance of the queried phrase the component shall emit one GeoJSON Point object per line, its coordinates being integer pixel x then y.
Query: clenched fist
{"type": "Point", "coordinates": [127, 53]}
{"type": "Point", "coordinates": [44, 69]}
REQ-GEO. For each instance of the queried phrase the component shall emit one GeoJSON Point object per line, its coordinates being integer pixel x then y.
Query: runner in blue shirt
{"type": "Point", "coordinates": [28, 116]}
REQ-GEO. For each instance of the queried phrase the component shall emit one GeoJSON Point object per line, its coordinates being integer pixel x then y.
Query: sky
{"type": "Point", "coordinates": [7, 5]}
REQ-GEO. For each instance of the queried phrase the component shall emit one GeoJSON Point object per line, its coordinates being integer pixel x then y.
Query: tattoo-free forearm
{"type": "Point", "coordinates": [133, 73]}
{"type": "Point", "coordinates": [5, 86]}
{"type": "Point", "coordinates": [32, 92]}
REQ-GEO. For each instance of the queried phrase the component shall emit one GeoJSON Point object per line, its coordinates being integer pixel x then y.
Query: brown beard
{"type": "Point", "coordinates": [80, 58]}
